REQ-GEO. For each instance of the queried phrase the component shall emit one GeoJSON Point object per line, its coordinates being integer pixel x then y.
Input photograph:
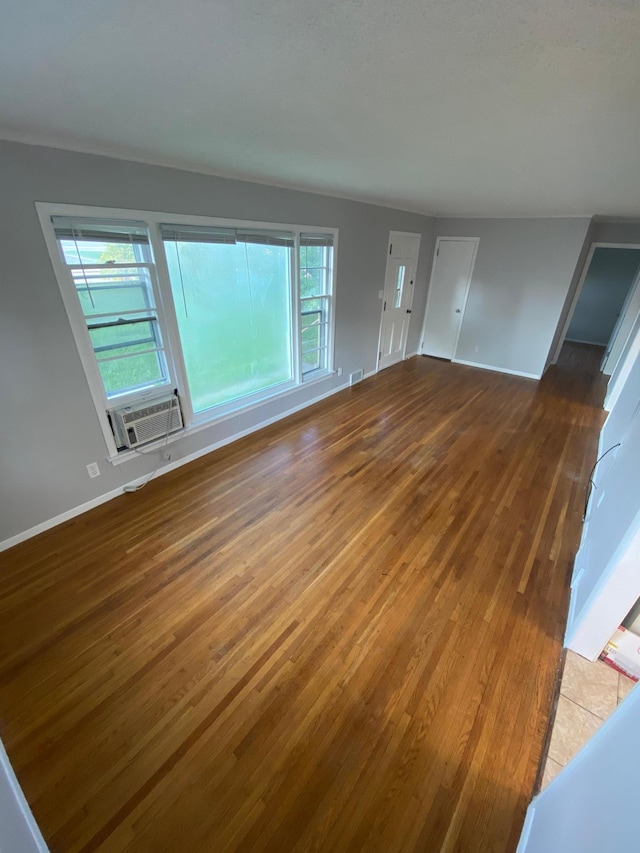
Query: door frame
{"type": "Point", "coordinates": [630, 301]}
{"type": "Point", "coordinates": [581, 281]}
{"type": "Point", "coordinates": [436, 250]}
{"type": "Point", "coordinates": [384, 283]}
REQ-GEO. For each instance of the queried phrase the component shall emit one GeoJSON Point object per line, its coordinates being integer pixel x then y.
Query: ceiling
{"type": "Point", "coordinates": [453, 107]}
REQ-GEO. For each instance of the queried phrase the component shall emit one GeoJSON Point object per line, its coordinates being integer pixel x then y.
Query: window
{"type": "Point", "coordinates": [110, 266]}
{"type": "Point", "coordinates": [229, 313]}
{"type": "Point", "coordinates": [399, 286]}
{"type": "Point", "coordinates": [232, 295]}
{"type": "Point", "coordinates": [316, 266]}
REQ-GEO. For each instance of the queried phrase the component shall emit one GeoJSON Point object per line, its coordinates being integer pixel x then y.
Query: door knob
{"type": "Point", "coordinates": [457, 310]}
{"type": "Point", "coordinates": [408, 310]}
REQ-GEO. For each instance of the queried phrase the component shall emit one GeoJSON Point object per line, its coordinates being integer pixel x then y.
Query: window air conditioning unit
{"type": "Point", "coordinates": [141, 423]}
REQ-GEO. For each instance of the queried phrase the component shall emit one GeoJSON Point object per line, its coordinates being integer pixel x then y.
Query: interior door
{"type": "Point", "coordinates": [590, 806]}
{"type": "Point", "coordinates": [450, 279]}
{"type": "Point", "coordinates": [402, 262]}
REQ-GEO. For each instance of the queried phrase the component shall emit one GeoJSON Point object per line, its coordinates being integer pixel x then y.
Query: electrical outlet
{"type": "Point", "coordinates": [381, 294]}
{"type": "Point", "coordinates": [339, 371]}
{"type": "Point", "coordinates": [93, 470]}
{"type": "Point", "coordinates": [477, 349]}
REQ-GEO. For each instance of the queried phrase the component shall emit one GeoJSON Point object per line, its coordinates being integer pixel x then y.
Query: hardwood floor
{"type": "Point", "coordinates": [340, 633]}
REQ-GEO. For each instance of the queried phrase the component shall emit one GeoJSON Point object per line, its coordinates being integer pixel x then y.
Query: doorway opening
{"type": "Point", "coordinates": [606, 302]}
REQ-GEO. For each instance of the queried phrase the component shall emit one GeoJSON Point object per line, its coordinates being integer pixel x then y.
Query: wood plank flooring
{"type": "Point", "coordinates": [338, 634]}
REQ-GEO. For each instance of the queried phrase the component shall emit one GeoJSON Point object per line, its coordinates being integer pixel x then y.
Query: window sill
{"type": "Point", "coordinates": [160, 444]}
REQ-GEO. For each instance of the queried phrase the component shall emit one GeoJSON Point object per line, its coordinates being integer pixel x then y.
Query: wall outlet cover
{"type": "Point", "coordinates": [93, 470]}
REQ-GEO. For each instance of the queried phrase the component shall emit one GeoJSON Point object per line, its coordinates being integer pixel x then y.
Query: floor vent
{"type": "Point", "coordinates": [356, 377]}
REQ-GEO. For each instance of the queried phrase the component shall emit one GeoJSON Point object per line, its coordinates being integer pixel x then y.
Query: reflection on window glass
{"type": "Point", "coordinates": [399, 286]}
{"type": "Point", "coordinates": [232, 301]}
{"type": "Point", "coordinates": [110, 265]}
{"type": "Point", "coordinates": [316, 262]}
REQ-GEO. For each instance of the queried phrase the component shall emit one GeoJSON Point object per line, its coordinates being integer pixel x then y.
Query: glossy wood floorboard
{"type": "Point", "coordinates": [338, 634]}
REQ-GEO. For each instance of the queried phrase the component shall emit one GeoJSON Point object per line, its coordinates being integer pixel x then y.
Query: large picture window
{"type": "Point", "coordinates": [229, 313]}
{"type": "Point", "coordinates": [232, 295]}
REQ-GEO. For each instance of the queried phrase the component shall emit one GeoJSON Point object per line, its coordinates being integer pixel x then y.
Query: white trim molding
{"type": "Point", "coordinates": [576, 296]}
{"type": "Point", "coordinates": [496, 369]}
{"type": "Point", "coordinates": [19, 831]}
{"type": "Point", "coordinates": [164, 308]}
{"type": "Point", "coordinates": [169, 466]}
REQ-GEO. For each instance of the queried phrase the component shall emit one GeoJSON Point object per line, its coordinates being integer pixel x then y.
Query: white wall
{"type": "Point", "coordinates": [47, 419]}
{"type": "Point", "coordinates": [523, 272]}
{"type": "Point", "coordinates": [606, 580]}
{"type": "Point", "coordinates": [591, 806]}
{"type": "Point", "coordinates": [19, 832]}
{"type": "Point", "coordinates": [623, 391]}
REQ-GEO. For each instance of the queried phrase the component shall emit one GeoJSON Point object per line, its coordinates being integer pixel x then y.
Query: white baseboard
{"type": "Point", "coordinates": [411, 354]}
{"type": "Point", "coordinates": [58, 519]}
{"type": "Point", "coordinates": [170, 466]}
{"type": "Point", "coordinates": [19, 829]}
{"type": "Point", "coordinates": [580, 341]}
{"type": "Point", "coordinates": [495, 369]}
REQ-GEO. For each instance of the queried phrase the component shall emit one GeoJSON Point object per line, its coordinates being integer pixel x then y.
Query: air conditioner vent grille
{"type": "Point", "coordinates": [145, 422]}
{"type": "Point", "coordinates": [146, 412]}
{"type": "Point", "coordinates": [157, 425]}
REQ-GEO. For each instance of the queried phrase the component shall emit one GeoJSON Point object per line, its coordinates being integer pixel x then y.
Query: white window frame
{"type": "Point", "coordinates": [330, 298]}
{"type": "Point", "coordinates": [168, 320]}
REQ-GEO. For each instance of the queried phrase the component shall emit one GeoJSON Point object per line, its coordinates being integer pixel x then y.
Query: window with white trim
{"type": "Point", "coordinates": [110, 267]}
{"type": "Point", "coordinates": [230, 313]}
{"type": "Point", "coordinates": [316, 276]}
{"type": "Point", "coordinates": [232, 294]}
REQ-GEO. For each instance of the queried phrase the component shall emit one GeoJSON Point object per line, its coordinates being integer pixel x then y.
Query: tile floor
{"type": "Point", "coordinates": [589, 692]}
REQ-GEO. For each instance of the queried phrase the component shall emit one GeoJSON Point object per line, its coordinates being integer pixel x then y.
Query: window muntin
{"type": "Point", "coordinates": [316, 277]}
{"type": "Point", "coordinates": [109, 265]}
{"type": "Point", "coordinates": [232, 296]}
{"type": "Point", "coordinates": [108, 252]}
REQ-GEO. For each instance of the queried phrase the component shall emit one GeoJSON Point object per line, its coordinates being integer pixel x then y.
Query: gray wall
{"type": "Point", "coordinates": [523, 272]}
{"type": "Point", "coordinates": [611, 231]}
{"type": "Point", "coordinates": [558, 337]}
{"type": "Point", "coordinates": [611, 273]}
{"type": "Point", "coordinates": [522, 275]}
{"type": "Point", "coordinates": [47, 419]}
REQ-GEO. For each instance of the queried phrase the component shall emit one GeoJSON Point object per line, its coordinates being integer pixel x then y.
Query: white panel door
{"type": "Point", "coordinates": [450, 279]}
{"type": "Point", "coordinates": [592, 805]}
{"type": "Point", "coordinates": [402, 262]}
